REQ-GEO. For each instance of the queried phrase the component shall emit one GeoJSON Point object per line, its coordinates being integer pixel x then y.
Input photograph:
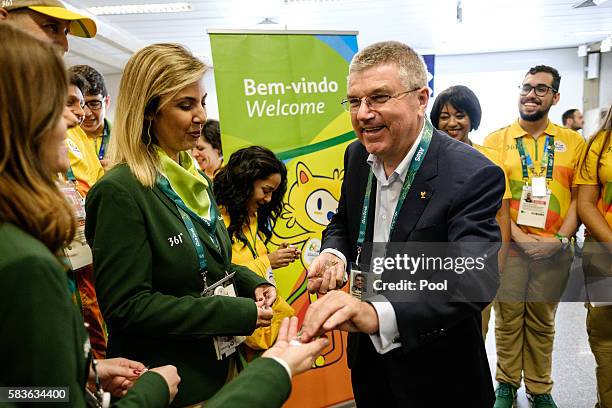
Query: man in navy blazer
{"type": "Point", "coordinates": [424, 350]}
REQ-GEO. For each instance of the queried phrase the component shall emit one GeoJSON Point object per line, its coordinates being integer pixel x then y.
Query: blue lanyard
{"type": "Point", "coordinates": [413, 168]}
{"type": "Point", "coordinates": [105, 137]}
{"type": "Point", "coordinates": [548, 158]}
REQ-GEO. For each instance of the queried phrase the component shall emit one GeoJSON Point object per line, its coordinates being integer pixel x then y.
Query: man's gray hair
{"type": "Point", "coordinates": [412, 69]}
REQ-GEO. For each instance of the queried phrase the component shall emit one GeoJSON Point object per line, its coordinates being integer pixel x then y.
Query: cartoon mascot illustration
{"type": "Point", "coordinates": [309, 206]}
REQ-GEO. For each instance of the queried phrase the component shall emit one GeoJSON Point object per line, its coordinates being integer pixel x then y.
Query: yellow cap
{"type": "Point", "coordinates": [80, 25]}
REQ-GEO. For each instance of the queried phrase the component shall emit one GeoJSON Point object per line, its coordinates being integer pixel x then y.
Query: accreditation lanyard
{"type": "Point", "coordinates": [70, 175]}
{"type": "Point", "coordinates": [105, 137]}
{"type": "Point", "coordinates": [548, 158]}
{"type": "Point", "coordinates": [413, 168]}
{"type": "Point", "coordinates": [252, 247]}
{"type": "Point", "coordinates": [187, 215]}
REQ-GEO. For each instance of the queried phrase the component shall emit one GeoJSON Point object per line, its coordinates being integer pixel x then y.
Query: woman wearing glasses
{"type": "Point", "coordinates": [595, 210]}
{"type": "Point", "coordinates": [457, 112]}
{"type": "Point", "coordinates": [165, 280]}
{"type": "Point", "coordinates": [44, 342]}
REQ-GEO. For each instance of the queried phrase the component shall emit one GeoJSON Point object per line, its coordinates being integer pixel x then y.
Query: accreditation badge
{"type": "Point", "coordinates": [358, 281]}
{"type": "Point", "coordinates": [78, 251]}
{"type": "Point", "coordinates": [533, 209]}
{"type": "Point", "coordinates": [538, 187]}
{"type": "Point", "coordinates": [224, 345]}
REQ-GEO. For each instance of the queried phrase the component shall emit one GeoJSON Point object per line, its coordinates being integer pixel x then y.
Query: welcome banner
{"type": "Point", "coordinates": [283, 90]}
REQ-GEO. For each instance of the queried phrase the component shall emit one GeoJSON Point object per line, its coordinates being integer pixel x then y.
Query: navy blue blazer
{"type": "Point", "coordinates": [454, 198]}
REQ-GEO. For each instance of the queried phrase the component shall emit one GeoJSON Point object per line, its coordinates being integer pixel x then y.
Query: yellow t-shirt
{"type": "Point", "coordinates": [569, 146]}
{"type": "Point", "coordinates": [83, 159]}
{"type": "Point", "coordinates": [263, 337]}
{"type": "Point", "coordinates": [494, 155]}
{"type": "Point", "coordinates": [592, 175]}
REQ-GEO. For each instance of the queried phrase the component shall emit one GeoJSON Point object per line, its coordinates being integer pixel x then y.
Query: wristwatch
{"type": "Point", "coordinates": [564, 240]}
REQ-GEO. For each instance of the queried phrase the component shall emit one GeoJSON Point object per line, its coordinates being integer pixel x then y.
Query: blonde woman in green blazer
{"type": "Point", "coordinates": [156, 235]}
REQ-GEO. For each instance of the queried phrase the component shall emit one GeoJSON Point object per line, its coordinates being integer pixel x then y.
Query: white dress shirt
{"type": "Point", "coordinates": [388, 190]}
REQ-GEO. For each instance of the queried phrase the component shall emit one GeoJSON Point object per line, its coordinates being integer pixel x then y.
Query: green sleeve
{"type": "Point", "coordinates": [119, 238]}
{"type": "Point", "coordinates": [149, 391]}
{"type": "Point", "coordinates": [263, 384]}
{"type": "Point", "coordinates": [42, 333]}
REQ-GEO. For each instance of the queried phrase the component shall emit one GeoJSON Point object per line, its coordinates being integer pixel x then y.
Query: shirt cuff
{"type": "Point", "coordinates": [339, 255]}
{"type": "Point", "coordinates": [284, 364]}
{"type": "Point", "coordinates": [388, 336]}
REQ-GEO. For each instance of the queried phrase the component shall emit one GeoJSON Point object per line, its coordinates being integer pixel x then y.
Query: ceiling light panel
{"type": "Point", "coordinates": [140, 9]}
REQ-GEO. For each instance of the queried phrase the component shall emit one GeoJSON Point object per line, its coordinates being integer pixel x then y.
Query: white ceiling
{"type": "Point", "coordinates": [430, 26]}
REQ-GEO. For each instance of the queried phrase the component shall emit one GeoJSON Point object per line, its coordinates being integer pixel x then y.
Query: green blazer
{"type": "Point", "coordinates": [148, 284]}
{"type": "Point", "coordinates": [263, 384]}
{"type": "Point", "coordinates": [44, 342]}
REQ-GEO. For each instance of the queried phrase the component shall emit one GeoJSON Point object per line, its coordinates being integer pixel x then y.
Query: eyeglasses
{"type": "Point", "coordinates": [373, 102]}
{"type": "Point", "coordinates": [540, 89]}
{"type": "Point", "coordinates": [94, 105]}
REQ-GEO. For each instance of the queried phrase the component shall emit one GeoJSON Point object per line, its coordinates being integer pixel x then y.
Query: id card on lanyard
{"type": "Point", "coordinates": [535, 197]}
{"type": "Point", "coordinates": [78, 251]}
{"type": "Point", "coordinates": [358, 273]}
{"type": "Point", "coordinates": [224, 345]}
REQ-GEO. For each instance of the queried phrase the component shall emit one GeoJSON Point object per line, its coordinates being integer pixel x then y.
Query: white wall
{"type": "Point", "coordinates": [112, 86]}
{"type": "Point", "coordinates": [605, 79]}
{"type": "Point", "coordinates": [212, 110]}
{"type": "Point", "coordinates": [495, 78]}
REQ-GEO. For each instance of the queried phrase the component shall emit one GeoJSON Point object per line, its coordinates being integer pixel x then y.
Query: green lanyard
{"type": "Point", "coordinates": [548, 158]}
{"type": "Point", "coordinates": [415, 164]}
{"type": "Point", "coordinates": [252, 248]}
{"type": "Point", "coordinates": [187, 215]}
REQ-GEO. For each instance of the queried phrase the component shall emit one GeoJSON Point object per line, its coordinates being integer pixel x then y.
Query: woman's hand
{"type": "Point", "coordinates": [264, 314]}
{"type": "Point", "coordinates": [265, 293]}
{"type": "Point", "coordinates": [117, 375]}
{"type": "Point", "coordinates": [170, 375]}
{"type": "Point", "coordinates": [283, 256]}
{"type": "Point", "coordinates": [299, 357]}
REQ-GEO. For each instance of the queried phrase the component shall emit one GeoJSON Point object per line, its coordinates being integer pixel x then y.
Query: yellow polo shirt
{"type": "Point", "coordinates": [83, 159]}
{"type": "Point", "coordinates": [590, 173]}
{"type": "Point", "coordinates": [569, 147]}
{"type": "Point", "coordinates": [494, 155]}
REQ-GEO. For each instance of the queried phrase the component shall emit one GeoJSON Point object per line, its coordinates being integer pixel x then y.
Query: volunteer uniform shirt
{"type": "Point", "coordinates": [569, 147]}
{"type": "Point", "coordinates": [592, 174]}
{"type": "Point", "coordinates": [494, 155]}
{"type": "Point", "coordinates": [83, 159]}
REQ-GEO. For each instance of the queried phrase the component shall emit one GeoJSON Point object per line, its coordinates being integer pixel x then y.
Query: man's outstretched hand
{"type": "Point", "coordinates": [338, 310]}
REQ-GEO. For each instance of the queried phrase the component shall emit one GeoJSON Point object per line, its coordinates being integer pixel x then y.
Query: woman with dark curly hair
{"type": "Point", "coordinates": [249, 192]}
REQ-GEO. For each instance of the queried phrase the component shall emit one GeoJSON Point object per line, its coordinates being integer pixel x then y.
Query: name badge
{"type": "Point", "coordinates": [358, 281]}
{"type": "Point", "coordinates": [533, 209]}
{"type": "Point", "coordinates": [78, 252]}
{"type": "Point", "coordinates": [225, 346]}
{"type": "Point", "coordinates": [538, 186]}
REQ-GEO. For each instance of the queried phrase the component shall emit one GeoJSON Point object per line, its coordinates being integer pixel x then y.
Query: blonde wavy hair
{"type": "Point", "coordinates": [29, 197]}
{"type": "Point", "coordinates": [156, 71]}
{"type": "Point", "coordinates": [412, 68]}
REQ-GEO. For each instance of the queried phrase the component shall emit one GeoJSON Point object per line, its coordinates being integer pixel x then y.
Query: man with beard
{"type": "Point", "coordinates": [540, 159]}
{"type": "Point", "coordinates": [573, 119]}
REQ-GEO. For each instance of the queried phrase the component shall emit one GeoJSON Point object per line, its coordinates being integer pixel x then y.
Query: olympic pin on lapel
{"type": "Point", "coordinates": [423, 195]}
